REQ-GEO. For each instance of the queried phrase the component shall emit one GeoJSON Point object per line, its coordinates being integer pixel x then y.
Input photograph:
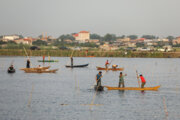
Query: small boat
{"type": "Point", "coordinates": [48, 61]}
{"type": "Point", "coordinates": [11, 71]}
{"type": "Point", "coordinates": [113, 69]}
{"type": "Point", "coordinates": [77, 65]}
{"type": "Point", "coordinates": [133, 88]}
{"type": "Point", "coordinates": [100, 88]}
{"type": "Point", "coordinates": [37, 68]}
{"type": "Point", "coordinates": [41, 71]}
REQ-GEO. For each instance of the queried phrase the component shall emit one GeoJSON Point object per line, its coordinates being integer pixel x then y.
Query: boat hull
{"type": "Point", "coordinates": [48, 61]}
{"type": "Point", "coordinates": [11, 71]}
{"type": "Point", "coordinates": [133, 88]}
{"type": "Point", "coordinates": [113, 69]}
{"type": "Point", "coordinates": [85, 65]}
{"type": "Point", "coordinates": [42, 68]}
{"type": "Point", "coordinates": [100, 88]}
{"type": "Point", "coordinates": [40, 71]}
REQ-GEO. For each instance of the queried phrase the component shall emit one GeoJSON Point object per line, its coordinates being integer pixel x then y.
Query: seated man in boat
{"type": "Point", "coordinates": [28, 63]}
{"type": "Point", "coordinates": [98, 78]}
{"type": "Point", "coordinates": [114, 66]}
{"type": "Point", "coordinates": [11, 67]}
{"type": "Point", "coordinates": [121, 80]}
{"type": "Point", "coordinates": [143, 81]}
{"type": "Point", "coordinates": [106, 64]}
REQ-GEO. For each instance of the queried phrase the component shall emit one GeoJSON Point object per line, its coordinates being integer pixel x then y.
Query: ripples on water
{"type": "Point", "coordinates": [67, 94]}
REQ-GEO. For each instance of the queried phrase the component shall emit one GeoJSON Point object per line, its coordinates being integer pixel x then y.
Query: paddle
{"type": "Point", "coordinates": [138, 78]}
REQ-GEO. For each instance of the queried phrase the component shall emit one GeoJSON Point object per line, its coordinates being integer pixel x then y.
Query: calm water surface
{"type": "Point", "coordinates": [67, 94]}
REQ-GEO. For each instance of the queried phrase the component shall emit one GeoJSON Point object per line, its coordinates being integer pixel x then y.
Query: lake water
{"type": "Point", "coordinates": [67, 94]}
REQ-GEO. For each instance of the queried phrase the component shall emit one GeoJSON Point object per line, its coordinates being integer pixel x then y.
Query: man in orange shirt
{"type": "Point", "coordinates": [143, 81]}
{"type": "Point", "coordinates": [106, 64]}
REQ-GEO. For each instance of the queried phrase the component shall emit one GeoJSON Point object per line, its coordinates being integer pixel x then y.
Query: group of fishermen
{"type": "Point", "coordinates": [121, 78]}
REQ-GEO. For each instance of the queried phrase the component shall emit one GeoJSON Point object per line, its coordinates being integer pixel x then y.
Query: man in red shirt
{"type": "Point", "coordinates": [106, 64]}
{"type": "Point", "coordinates": [143, 81]}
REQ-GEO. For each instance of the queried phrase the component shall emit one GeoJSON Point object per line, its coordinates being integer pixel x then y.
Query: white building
{"type": "Point", "coordinates": [10, 37]}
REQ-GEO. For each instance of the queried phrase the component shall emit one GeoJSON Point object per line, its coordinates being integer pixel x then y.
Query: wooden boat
{"type": "Point", "coordinates": [37, 68]}
{"type": "Point", "coordinates": [113, 69]}
{"type": "Point", "coordinates": [77, 65]}
{"type": "Point", "coordinates": [41, 71]}
{"type": "Point", "coordinates": [48, 61]}
{"type": "Point", "coordinates": [133, 88]}
{"type": "Point", "coordinates": [100, 88]}
{"type": "Point", "coordinates": [11, 71]}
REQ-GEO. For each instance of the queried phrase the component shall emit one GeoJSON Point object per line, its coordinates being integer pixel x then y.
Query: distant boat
{"type": "Point", "coordinates": [36, 68]}
{"type": "Point", "coordinates": [133, 88]}
{"type": "Point", "coordinates": [113, 69]}
{"type": "Point", "coordinates": [11, 71]}
{"type": "Point", "coordinates": [41, 71]}
{"type": "Point", "coordinates": [84, 65]}
{"type": "Point", "coordinates": [48, 61]}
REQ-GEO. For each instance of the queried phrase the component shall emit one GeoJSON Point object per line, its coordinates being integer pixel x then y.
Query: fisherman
{"type": "Point", "coordinates": [143, 81]}
{"type": "Point", "coordinates": [98, 78]}
{"type": "Point", "coordinates": [28, 63]}
{"type": "Point", "coordinates": [121, 79]}
{"type": "Point", "coordinates": [114, 66]}
{"type": "Point", "coordinates": [71, 61]}
{"type": "Point", "coordinates": [11, 67]}
{"type": "Point", "coordinates": [106, 64]}
{"type": "Point", "coordinates": [43, 58]}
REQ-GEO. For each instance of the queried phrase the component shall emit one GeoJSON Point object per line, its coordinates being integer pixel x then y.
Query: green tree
{"type": "Point", "coordinates": [140, 44]}
{"type": "Point", "coordinates": [39, 42]}
{"type": "Point", "coordinates": [65, 37]}
{"type": "Point", "coordinates": [133, 37]}
{"type": "Point", "coordinates": [95, 36]}
{"type": "Point", "coordinates": [109, 37]}
{"type": "Point", "coordinates": [170, 38]}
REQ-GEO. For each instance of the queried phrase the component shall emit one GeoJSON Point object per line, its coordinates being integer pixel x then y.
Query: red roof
{"type": "Point", "coordinates": [76, 35]}
{"type": "Point", "coordinates": [83, 32]}
{"type": "Point", "coordinates": [141, 39]}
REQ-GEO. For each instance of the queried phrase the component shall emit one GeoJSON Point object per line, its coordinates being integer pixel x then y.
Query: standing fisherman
{"type": "Point", "coordinates": [98, 78]}
{"type": "Point", "coordinates": [28, 63]}
{"type": "Point", "coordinates": [43, 58]}
{"type": "Point", "coordinates": [106, 64]}
{"type": "Point", "coordinates": [143, 81]}
{"type": "Point", "coordinates": [71, 61]}
{"type": "Point", "coordinates": [121, 80]}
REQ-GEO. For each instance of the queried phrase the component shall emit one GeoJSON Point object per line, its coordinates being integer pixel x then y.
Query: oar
{"type": "Point", "coordinates": [138, 78]}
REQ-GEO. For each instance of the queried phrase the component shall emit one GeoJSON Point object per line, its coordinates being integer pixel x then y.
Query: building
{"type": "Point", "coordinates": [82, 36]}
{"type": "Point", "coordinates": [176, 41]}
{"type": "Point", "coordinates": [10, 37]}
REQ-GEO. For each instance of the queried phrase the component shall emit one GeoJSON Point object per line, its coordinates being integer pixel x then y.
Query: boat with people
{"type": "Point", "coordinates": [113, 69]}
{"type": "Point", "coordinates": [84, 65]}
{"type": "Point", "coordinates": [133, 88]}
{"type": "Point", "coordinates": [11, 70]}
{"type": "Point", "coordinates": [100, 88]}
{"type": "Point", "coordinates": [48, 61]}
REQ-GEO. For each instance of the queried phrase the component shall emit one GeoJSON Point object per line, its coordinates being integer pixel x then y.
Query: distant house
{"type": "Point", "coordinates": [176, 41]}
{"type": "Point", "coordinates": [27, 40]}
{"type": "Point", "coordinates": [92, 40]}
{"type": "Point", "coordinates": [10, 37]}
{"type": "Point", "coordinates": [108, 47]}
{"type": "Point", "coordinates": [82, 36]}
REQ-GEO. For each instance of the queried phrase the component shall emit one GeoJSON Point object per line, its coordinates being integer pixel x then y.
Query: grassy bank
{"type": "Point", "coordinates": [67, 53]}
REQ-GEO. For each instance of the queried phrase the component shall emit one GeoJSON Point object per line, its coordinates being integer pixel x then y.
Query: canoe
{"type": "Point", "coordinates": [113, 69]}
{"type": "Point", "coordinates": [48, 61]}
{"type": "Point", "coordinates": [40, 71]}
{"type": "Point", "coordinates": [100, 88]}
{"type": "Point", "coordinates": [77, 65]}
{"type": "Point", "coordinates": [37, 68]}
{"type": "Point", "coordinates": [11, 71]}
{"type": "Point", "coordinates": [133, 88]}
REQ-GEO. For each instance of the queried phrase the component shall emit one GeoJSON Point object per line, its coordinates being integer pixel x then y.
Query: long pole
{"type": "Point", "coordinates": [26, 53]}
{"type": "Point", "coordinates": [138, 78]}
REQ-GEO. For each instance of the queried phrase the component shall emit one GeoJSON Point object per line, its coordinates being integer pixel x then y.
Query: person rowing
{"type": "Point", "coordinates": [106, 64]}
{"type": "Point", "coordinates": [121, 80]}
{"type": "Point", "coordinates": [28, 63]}
{"type": "Point", "coordinates": [71, 61]}
{"type": "Point", "coordinates": [143, 81]}
{"type": "Point", "coordinates": [11, 68]}
{"type": "Point", "coordinates": [98, 79]}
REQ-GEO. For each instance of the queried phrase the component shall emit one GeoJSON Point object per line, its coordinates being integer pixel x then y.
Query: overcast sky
{"type": "Point", "coordinates": [121, 17]}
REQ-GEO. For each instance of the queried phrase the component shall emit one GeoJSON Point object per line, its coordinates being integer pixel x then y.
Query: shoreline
{"type": "Point", "coordinates": [83, 53]}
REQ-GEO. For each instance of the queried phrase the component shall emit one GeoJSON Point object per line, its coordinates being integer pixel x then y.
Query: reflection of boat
{"type": "Point", "coordinates": [48, 61]}
{"type": "Point", "coordinates": [100, 88]}
{"type": "Point", "coordinates": [11, 71]}
{"type": "Point", "coordinates": [114, 69]}
{"type": "Point", "coordinates": [41, 71]}
{"type": "Point", "coordinates": [77, 65]}
{"type": "Point", "coordinates": [37, 68]}
{"type": "Point", "coordinates": [133, 88]}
